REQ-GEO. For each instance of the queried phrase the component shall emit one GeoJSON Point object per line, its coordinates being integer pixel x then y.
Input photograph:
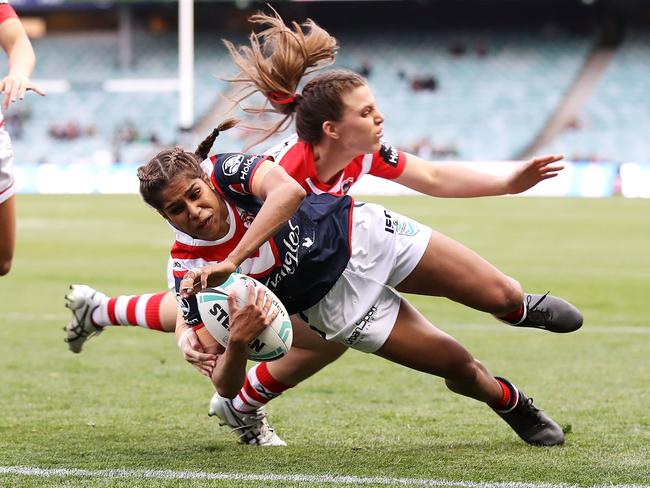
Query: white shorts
{"type": "Point", "coordinates": [7, 186]}
{"type": "Point", "coordinates": [360, 310]}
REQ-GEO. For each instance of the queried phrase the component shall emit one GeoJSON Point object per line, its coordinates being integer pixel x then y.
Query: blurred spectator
{"type": "Point", "coordinates": [482, 49]}
{"type": "Point", "coordinates": [365, 69]}
{"type": "Point", "coordinates": [425, 149]}
{"type": "Point", "coordinates": [71, 130]}
{"type": "Point", "coordinates": [127, 132]}
{"type": "Point", "coordinates": [16, 119]}
{"type": "Point", "coordinates": [457, 49]}
{"type": "Point", "coordinates": [424, 82]}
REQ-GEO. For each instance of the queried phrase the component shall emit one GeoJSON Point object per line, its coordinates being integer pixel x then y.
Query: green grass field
{"type": "Point", "coordinates": [130, 402]}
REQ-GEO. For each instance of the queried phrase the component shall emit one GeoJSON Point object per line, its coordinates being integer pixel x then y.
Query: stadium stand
{"type": "Point", "coordinates": [612, 125]}
{"type": "Point", "coordinates": [468, 94]}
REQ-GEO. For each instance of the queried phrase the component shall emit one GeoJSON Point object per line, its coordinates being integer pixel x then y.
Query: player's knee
{"type": "Point", "coordinates": [508, 296]}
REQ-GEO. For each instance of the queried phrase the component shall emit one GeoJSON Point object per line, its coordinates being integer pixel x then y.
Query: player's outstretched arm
{"type": "Point", "coordinates": [246, 323]}
{"type": "Point", "coordinates": [15, 43]}
{"type": "Point", "coordinates": [457, 181]}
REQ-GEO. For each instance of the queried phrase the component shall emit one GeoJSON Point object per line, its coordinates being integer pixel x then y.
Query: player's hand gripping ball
{"type": "Point", "coordinates": [273, 343]}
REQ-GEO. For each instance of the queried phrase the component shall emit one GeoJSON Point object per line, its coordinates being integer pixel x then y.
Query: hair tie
{"type": "Point", "coordinates": [281, 99]}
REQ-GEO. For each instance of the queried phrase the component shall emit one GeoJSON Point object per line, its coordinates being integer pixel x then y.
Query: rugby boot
{"type": "Point", "coordinates": [250, 428]}
{"type": "Point", "coordinates": [82, 300]}
{"type": "Point", "coordinates": [529, 422]}
{"type": "Point", "coordinates": [550, 313]}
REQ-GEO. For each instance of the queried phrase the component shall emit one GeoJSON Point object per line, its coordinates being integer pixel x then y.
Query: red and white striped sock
{"type": "Point", "coordinates": [259, 389]}
{"type": "Point", "coordinates": [140, 310]}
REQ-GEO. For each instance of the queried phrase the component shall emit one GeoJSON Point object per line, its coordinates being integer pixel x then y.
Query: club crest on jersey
{"type": "Point", "coordinates": [389, 154]}
{"type": "Point", "coordinates": [346, 184]}
{"type": "Point", "coordinates": [246, 217]}
{"type": "Point", "coordinates": [231, 164]}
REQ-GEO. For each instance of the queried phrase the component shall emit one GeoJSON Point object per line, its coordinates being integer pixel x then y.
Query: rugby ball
{"type": "Point", "coordinates": [273, 343]}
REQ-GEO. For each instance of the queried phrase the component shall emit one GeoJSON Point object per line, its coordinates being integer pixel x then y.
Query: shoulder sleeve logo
{"type": "Point", "coordinates": [389, 154]}
{"type": "Point", "coordinates": [231, 164]}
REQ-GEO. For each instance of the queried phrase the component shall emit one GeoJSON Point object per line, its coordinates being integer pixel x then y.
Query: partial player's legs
{"type": "Point", "coordinates": [92, 311]}
{"type": "Point", "coordinates": [309, 354]}
{"type": "Point", "coordinates": [246, 414]}
{"type": "Point", "coordinates": [8, 233]}
{"type": "Point", "coordinates": [451, 270]}
{"type": "Point", "coordinates": [417, 344]}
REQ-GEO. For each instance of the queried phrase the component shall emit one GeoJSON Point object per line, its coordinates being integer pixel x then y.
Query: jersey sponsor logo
{"type": "Point", "coordinates": [289, 262]}
{"type": "Point", "coordinates": [246, 168]}
{"type": "Point", "coordinates": [389, 154]}
{"type": "Point", "coordinates": [231, 164]}
{"type": "Point", "coordinates": [388, 223]}
{"type": "Point", "coordinates": [361, 325]}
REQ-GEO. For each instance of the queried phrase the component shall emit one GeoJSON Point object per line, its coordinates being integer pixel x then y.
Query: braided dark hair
{"type": "Point", "coordinates": [168, 164]}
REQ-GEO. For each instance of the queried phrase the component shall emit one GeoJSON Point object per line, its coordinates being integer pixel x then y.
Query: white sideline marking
{"type": "Point", "coordinates": [295, 478]}
{"type": "Point", "coordinates": [496, 327]}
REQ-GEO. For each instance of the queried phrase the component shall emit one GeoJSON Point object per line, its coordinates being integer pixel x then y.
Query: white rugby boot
{"type": "Point", "coordinates": [251, 428]}
{"type": "Point", "coordinates": [82, 300]}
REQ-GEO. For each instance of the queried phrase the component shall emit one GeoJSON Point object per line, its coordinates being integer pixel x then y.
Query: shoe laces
{"type": "Point", "coordinates": [530, 410]}
{"type": "Point", "coordinates": [542, 315]}
{"type": "Point", "coordinates": [78, 330]}
{"type": "Point", "coordinates": [255, 427]}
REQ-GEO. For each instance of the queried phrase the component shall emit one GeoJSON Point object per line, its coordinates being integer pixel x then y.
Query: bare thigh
{"type": "Point", "coordinates": [309, 354]}
{"type": "Point", "coordinates": [8, 233]}
{"type": "Point", "coordinates": [449, 269]}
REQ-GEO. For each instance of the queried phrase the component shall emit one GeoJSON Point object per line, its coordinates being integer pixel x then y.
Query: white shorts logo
{"type": "Point", "coordinates": [231, 165]}
{"type": "Point", "coordinates": [361, 325]}
{"type": "Point", "coordinates": [405, 228]}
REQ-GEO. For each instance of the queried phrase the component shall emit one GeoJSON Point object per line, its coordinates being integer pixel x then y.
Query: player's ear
{"type": "Point", "coordinates": [330, 130]}
{"type": "Point", "coordinates": [208, 181]}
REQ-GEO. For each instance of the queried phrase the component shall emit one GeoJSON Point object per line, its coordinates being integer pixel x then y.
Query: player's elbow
{"type": "Point", "coordinates": [297, 194]}
{"type": "Point", "coordinates": [5, 267]}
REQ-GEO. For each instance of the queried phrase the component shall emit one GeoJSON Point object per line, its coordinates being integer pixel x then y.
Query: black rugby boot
{"type": "Point", "coordinates": [529, 422]}
{"type": "Point", "coordinates": [550, 313]}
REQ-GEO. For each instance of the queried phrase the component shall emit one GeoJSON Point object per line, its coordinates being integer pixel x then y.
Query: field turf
{"type": "Point", "coordinates": [130, 402]}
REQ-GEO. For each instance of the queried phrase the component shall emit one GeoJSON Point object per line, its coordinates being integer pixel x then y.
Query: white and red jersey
{"type": "Point", "coordinates": [297, 158]}
{"type": "Point", "coordinates": [300, 263]}
{"type": "Point", "coordinates": [6, 12]}
{"type": "Point", "coordinates": [308, 232]}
